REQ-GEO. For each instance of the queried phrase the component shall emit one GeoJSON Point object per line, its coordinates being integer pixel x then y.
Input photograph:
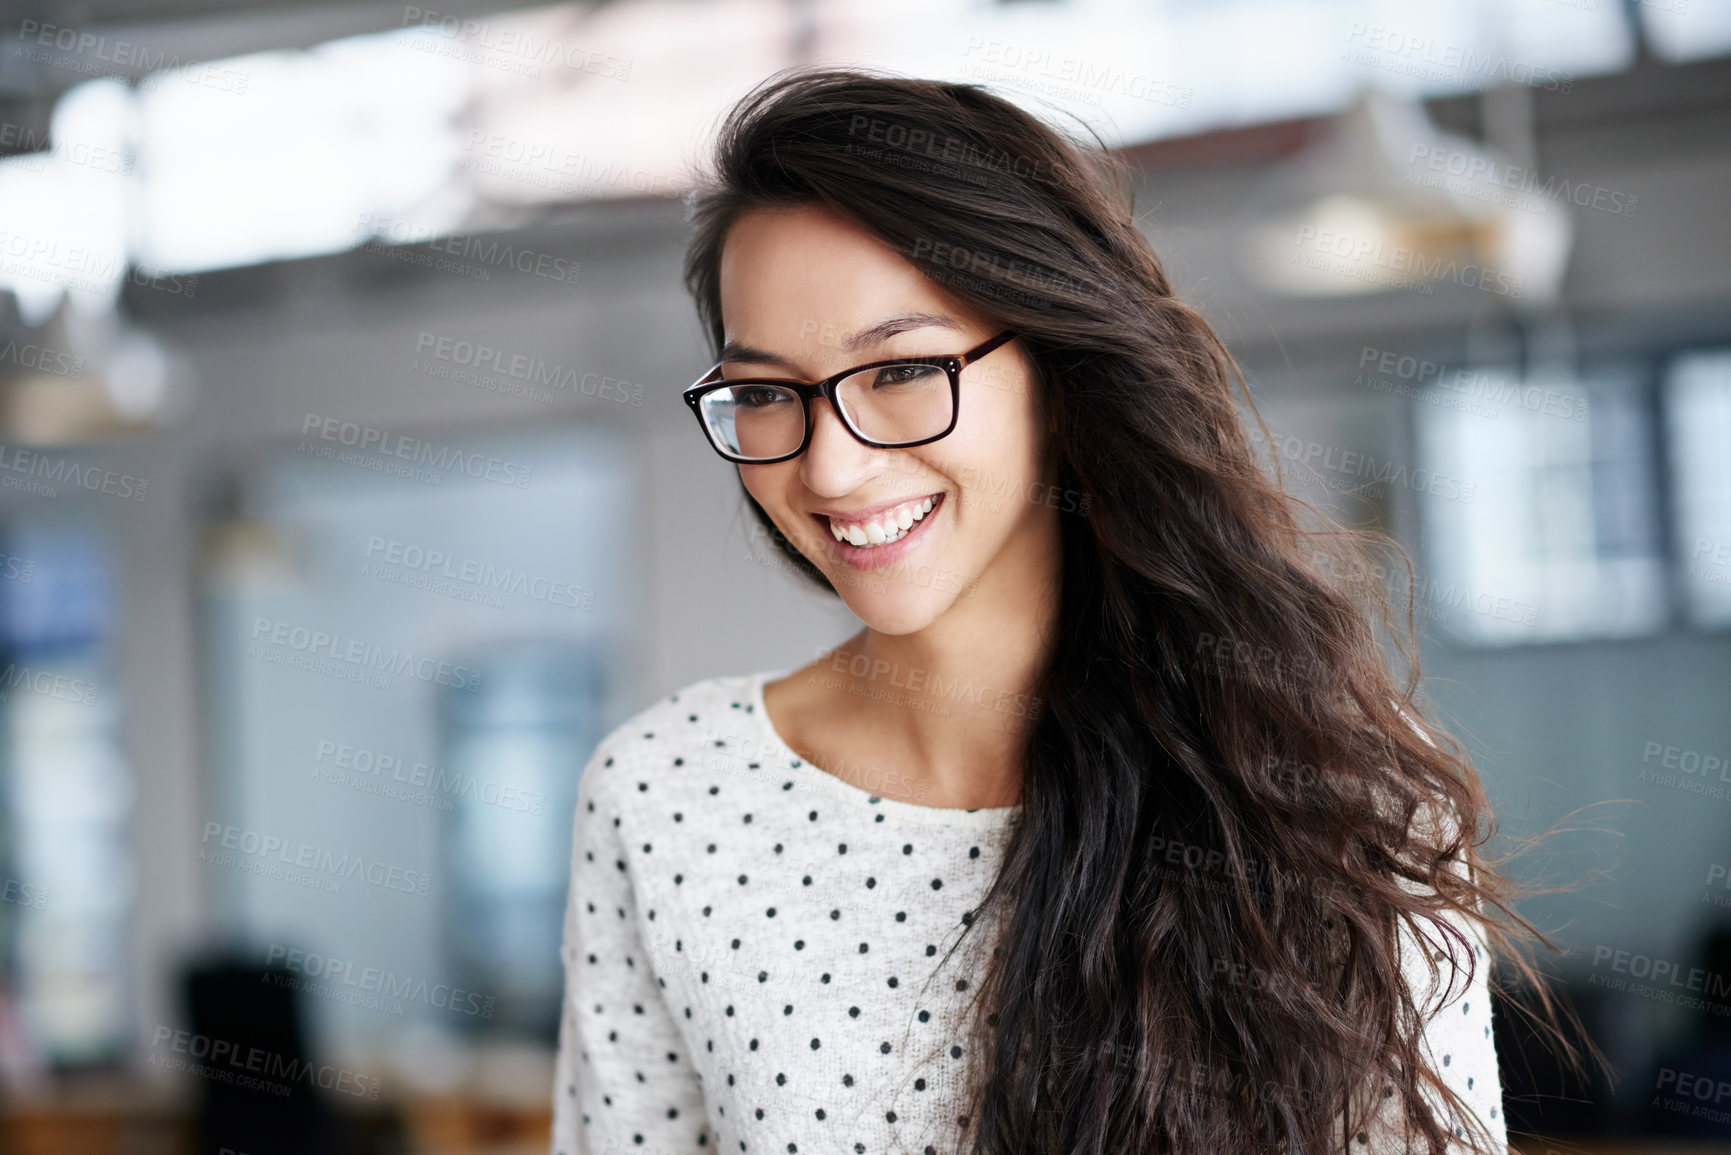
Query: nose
{"type": "Point", "coordinates": [835, 462]}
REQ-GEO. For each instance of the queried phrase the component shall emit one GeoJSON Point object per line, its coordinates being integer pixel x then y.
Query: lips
{"type": "Point", "coordinates": [885, 522]}
{"type": "Point", "coordinates": [882, 528]}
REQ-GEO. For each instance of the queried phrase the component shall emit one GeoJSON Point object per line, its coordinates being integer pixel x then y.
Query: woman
{"type": "Point", "coordinates": [1111, 831]}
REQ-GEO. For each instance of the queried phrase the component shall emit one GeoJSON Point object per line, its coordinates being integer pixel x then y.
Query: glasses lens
{"type": "Point", "coordinates": [897, 403]}
{"type": "Point", "coordinates": [754, 419]}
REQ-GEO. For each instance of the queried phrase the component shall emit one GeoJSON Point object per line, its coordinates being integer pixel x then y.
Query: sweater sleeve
{"type": "Point", "coordinates": [1458, 1041]}
{"type": "Point", "coordinates": [622, 1078]}
{"type": "Point", "coordinates": [1458, 1033]}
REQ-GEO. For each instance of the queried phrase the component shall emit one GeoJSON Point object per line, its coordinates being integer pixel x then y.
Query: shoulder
{"type": "Point", "coordinates": [676, 726]}
{"type": "Point", "coordinates": [1446, 953]}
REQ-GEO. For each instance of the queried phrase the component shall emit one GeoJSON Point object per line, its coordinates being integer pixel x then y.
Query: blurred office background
{"type": "Point", "coordinates": [346, 499]}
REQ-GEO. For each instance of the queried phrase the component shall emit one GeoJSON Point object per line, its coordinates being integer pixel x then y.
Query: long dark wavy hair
{"type": "Point", "coordinates": [1216, 680]}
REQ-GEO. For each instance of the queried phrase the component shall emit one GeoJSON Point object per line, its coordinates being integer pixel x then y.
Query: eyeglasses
{"type": "Point", "coordinates": [886, 405]}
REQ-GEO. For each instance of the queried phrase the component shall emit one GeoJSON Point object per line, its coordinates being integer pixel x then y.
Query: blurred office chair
{"type": "Point", "coordinates": [259, 1088]}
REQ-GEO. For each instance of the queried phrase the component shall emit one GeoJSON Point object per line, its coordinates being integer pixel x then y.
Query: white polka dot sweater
{"type": "Point", "coordinates": [755, 951]}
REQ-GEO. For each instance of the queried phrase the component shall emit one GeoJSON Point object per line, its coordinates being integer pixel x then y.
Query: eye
{"type": "Point", "coordinates": [757, 396]}
{"type": "Point", "coordinates": [902, 374]}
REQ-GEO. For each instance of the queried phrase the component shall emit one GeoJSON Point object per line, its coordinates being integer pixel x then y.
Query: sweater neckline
{"type": "Point", "coordinates": [981, 818]}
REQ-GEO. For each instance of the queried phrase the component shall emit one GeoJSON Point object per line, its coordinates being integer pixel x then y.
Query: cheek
{"type": "Point", "coordinates": [770, 486]}
{"type": "Point", "coordinates": [764, 487]}
{"type": "Point", "coordinates": [765, 483]}
{"type": "Point", "coordinates": [1003, 439]}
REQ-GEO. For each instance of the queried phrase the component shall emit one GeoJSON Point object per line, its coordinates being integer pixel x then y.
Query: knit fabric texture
{"type": "Point", "coordinates": [755, 951]}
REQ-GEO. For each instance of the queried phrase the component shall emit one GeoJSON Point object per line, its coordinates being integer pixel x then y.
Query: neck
{"type": "Point", "coordinates": [953, 701]}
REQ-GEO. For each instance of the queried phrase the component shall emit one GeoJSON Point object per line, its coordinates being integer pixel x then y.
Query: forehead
{"type": "Point", "coordinates": [801, 281]}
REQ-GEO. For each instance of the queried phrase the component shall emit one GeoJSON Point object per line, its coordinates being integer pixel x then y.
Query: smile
{"type": "Point", "coordinates": [887, 527]}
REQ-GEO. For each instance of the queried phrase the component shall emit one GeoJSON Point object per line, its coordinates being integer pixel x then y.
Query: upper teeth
{"type": "Point", "coordinates": [888, 526]}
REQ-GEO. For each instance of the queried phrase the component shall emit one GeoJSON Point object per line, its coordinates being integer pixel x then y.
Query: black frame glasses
{"type": "Point", "coordinates": [809, 390]}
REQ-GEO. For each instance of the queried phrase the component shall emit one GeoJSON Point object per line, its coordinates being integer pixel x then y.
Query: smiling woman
{"type": "Point", "coordinates": [1122, 835]}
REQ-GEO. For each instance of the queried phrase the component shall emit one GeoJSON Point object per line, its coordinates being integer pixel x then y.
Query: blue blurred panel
{"type": "Point", "coordinates": [404, 663]}
{"type": "Point", "coordinates": [513, 747]}
{"type": "Point", "coordinates": [1698, 419]}
{"type": "Point", "coordinates": [1555, 534]}
{"type": "Point", "coordinates": [66, 881]}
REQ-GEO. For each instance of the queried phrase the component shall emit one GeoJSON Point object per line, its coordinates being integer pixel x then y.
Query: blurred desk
{"type": "Point", "coordinates": [116, 1116]}
{"type": "Point", "coordinates": [1618, 1147]}
{"type": "Point", "coordinates": [453, 1125]}
{"type": "Point", "coordinates": [127, 1118]}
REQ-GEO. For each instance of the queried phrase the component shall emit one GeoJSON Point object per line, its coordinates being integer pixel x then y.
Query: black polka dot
{"type": "Point", "coordinates": [684, 899]}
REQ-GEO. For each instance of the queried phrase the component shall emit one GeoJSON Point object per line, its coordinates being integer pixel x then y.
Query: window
{"type": "Point", "coordinates": [408, 667]}
{"type": "Point", "coordinates": [1698, 415]}
{"type": "Point", "coordinates": [1560, 539]}
{"type": "Point", "coordinates": [65, 796]}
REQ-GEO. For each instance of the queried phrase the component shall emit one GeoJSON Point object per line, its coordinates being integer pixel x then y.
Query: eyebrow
{"type": "Point", "coordinates": [736, 351]}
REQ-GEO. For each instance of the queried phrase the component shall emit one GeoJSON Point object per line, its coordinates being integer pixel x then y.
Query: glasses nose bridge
{"type": "Point", "coordinates": [817, 394]}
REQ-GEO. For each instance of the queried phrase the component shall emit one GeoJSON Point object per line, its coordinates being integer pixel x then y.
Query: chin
{"type": "Point", "coordinates": [891, 608]}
